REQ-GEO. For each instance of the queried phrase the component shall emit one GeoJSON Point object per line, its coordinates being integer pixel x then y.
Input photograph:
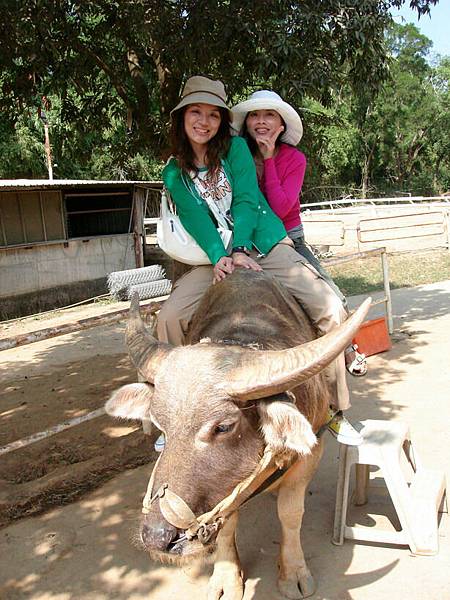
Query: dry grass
{"type": "Point", "coordinates": [405, 270]}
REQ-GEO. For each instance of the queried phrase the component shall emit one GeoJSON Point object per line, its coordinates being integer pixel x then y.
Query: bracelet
{"type": "Point", "coordinates": [241, 249]}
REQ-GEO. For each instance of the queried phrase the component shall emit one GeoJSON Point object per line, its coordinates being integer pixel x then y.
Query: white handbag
{"type": "Point", "coordinates": [176, 242]}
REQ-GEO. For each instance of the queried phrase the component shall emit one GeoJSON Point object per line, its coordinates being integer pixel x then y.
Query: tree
{"type": "Point", "coordinates": [105, 60]}
{"type": "Point", "coordinates": [397, 140]}
{"type": "Point", "coordinates": [411, 115]}
{"type": "Point", "coordinates": [440, 146]}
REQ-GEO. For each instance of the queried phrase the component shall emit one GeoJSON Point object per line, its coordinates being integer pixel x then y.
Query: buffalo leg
{"type": "Point", "coordinates": [294, 578]}
{"type": "Point", "coordinates": [226, 581]}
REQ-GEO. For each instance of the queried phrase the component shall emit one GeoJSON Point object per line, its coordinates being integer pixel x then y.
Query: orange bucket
{"type": "Point", "coordinates": [373, 337]}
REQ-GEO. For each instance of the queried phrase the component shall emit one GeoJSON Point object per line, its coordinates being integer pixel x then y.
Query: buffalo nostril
{"type": "Point", "coordinates": [158, 535]}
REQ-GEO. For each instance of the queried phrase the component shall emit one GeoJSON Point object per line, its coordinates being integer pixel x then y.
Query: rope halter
{"type": "Point", "coordinates": [176, 512]}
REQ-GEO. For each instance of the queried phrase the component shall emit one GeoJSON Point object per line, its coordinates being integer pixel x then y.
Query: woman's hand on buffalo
{"type": "Point", "coordinates": [240, 259]}
{"type": "Point", "coordinates": [223, 267]}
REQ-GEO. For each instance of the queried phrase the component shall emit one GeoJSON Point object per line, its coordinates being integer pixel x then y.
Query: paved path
{"type": "Point", "coordinates": [84, 550]}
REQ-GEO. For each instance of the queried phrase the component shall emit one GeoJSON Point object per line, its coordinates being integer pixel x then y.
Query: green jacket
{"type": "Point", "coordinates": [255, 225]}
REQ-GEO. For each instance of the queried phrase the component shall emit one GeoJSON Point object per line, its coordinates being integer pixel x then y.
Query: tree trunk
{"type": "Point", "coordinates": [140, 111]}
{"type": "Point", "coordinates": [365, 172]}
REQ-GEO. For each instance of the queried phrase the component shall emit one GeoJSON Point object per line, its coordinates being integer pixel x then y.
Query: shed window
{"type": "Point", "coordinates": [98, 213]}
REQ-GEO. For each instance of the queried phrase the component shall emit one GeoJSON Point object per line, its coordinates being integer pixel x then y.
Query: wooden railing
{"type": "Point", "coordinates": [44, 334]}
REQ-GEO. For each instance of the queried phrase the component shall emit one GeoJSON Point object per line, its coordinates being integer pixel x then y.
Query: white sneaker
{"type": "Point", "coordinates": [342, 429]}
{"type": "Point", "coordinates": [160, 443]}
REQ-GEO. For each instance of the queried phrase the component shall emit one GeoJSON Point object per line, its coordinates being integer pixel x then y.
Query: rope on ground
{"type": "Point", "coordinates": [53, 310]}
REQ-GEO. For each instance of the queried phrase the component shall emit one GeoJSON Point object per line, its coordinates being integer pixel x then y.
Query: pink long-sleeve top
{"type": "Point", "coordinates": [282, 182]}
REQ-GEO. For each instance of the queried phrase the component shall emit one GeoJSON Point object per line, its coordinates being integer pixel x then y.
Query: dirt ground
{"type": "Point", "coordinates": [84, 549]}
{"type": "Point", "coordinates": [45, 383]}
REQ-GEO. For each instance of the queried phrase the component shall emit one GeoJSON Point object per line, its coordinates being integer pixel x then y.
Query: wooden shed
{"type": "Point", "coordinates": [59, 239]}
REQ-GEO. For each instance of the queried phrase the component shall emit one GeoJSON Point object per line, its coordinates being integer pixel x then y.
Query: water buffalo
{"type": "Point", "coordinates": [240, 402]}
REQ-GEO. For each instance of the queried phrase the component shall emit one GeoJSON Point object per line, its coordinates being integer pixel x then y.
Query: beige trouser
{"type": "Point", "coordinates": [290, 268]}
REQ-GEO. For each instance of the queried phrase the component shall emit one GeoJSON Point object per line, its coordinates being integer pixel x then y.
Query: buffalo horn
{"type": "Point", "coordinates": [263, 373]}
{"type": "Point", "coordinates": [144, 349]}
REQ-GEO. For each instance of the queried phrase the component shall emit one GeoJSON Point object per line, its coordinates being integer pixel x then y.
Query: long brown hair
{"type": "Point", "coordinates": [217, 147]}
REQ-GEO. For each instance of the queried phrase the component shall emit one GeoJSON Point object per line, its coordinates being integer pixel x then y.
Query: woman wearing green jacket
{"type": "Point", "coordinates": [208, 165]}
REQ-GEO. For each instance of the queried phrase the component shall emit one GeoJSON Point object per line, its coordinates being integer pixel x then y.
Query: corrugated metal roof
{"type": "Point", "coordinates": [18, 184]}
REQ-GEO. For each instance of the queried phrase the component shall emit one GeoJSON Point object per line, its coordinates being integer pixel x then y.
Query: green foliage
{"type": "Point", "coordinates": [111, 71]}
{"type": "Point", "coordinates": [330, 142]}
{"type": "Point", "coordinates": [409, 47]}
{"type": "Point", "coordinates": [21, 148]}
{"type": "Point", "coordinates": [395, 141]}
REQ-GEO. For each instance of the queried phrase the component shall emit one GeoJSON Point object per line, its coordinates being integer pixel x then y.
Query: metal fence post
{"type": "Point", "coordinates": [387, 290]}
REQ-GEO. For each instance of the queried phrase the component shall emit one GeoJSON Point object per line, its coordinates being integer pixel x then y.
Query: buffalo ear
{"type": "Point", "coordinates": [285, 428]}
{"type": "Point", "coordinates": [132, 401]}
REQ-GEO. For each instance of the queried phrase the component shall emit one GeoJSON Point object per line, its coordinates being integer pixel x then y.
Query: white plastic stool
{"type": "Point", "coordinates": [416, 502]}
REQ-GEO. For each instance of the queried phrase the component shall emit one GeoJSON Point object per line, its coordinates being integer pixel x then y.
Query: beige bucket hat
{"type": "Point", "coordinates": [200, 89]}
{"type": "Point", "coordinates": [268, 100]}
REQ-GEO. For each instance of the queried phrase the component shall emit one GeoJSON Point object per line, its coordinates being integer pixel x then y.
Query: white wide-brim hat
{"type": "Point", "coordinates": [267, 100]}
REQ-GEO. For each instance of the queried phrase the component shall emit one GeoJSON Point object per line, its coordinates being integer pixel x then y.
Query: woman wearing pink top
{"type": "Point", "coordinates": [272, 129]}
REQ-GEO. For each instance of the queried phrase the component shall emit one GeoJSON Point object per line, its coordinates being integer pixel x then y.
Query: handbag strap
{"type": "Point", "coordinates": [219, 216]}
{"type": "Point", "coordinates": [167, 208]}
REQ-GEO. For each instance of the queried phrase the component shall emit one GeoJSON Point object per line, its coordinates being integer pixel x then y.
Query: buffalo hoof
{"type": "Point", "coordinates": [226, 583]}
{"type": "Point", "coordinates": [302, 586]}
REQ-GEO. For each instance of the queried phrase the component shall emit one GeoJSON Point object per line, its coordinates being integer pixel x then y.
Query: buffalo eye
{"type": "Point", "coordinates": [224, 428]}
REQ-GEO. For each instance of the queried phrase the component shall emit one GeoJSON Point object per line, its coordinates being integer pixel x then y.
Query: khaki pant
{"type": "Point", "coordinates": [290, 268]}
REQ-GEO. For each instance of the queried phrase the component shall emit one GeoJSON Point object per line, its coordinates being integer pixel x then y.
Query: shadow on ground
{"type": "Point", "coordinates": [85, 550]}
